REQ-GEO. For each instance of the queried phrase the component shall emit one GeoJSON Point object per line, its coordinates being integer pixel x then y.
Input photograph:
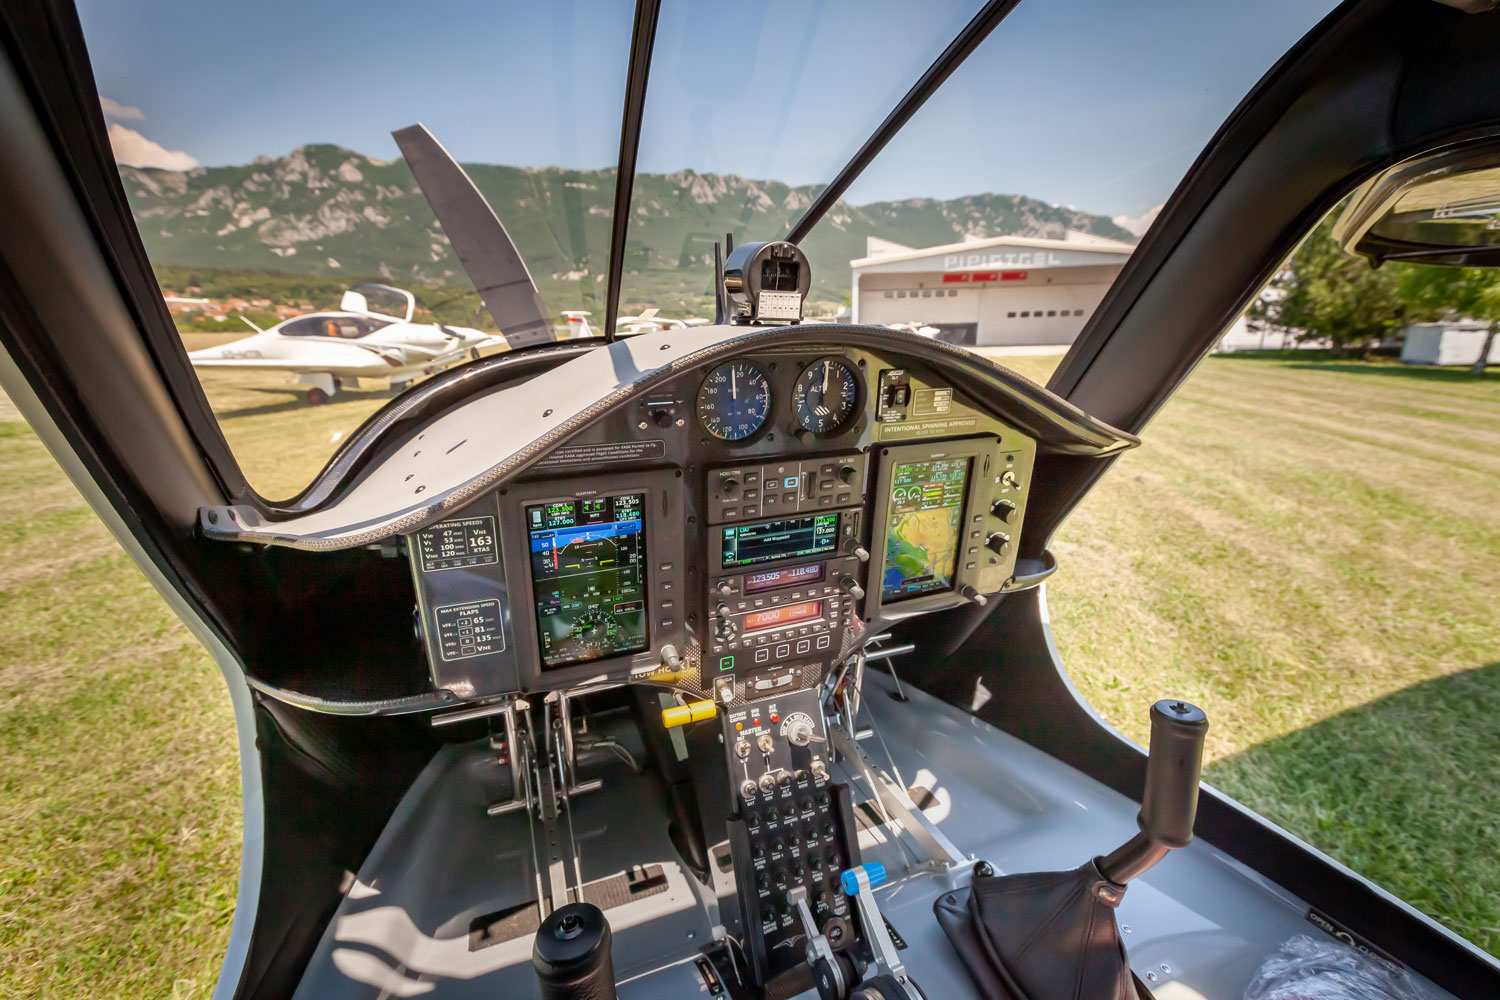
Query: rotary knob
{"type": "Point", "coordinates": [730, 487]}
{"type": "Point", "coordinates": [1002, 509]}
{"type": "Point", "coordinates": [997, 542]}
{"type": "Point", "coordinates": [851, 586]}
{"type": "Point", "coordinates": [724, 589]}
{"type": "Point", "coordinates": [858, 551]}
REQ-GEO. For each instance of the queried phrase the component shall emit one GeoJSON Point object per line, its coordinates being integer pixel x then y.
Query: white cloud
{"type": "Point", "coordinates": [135, 150]}
{"type": "Point", "coordinates": [120, 112]}
{"type": "Point", "coordinates": [1140, 223]}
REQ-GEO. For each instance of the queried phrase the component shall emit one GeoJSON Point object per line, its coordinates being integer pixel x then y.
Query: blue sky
{"type": "Point", "coordinates": [1101, 104]}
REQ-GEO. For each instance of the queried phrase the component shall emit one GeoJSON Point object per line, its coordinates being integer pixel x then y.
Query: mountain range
{"type": "Point", "coordinates": [330, 211]}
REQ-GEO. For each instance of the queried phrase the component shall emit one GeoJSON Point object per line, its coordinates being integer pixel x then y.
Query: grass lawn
{"type": "Point", "coordinates": [1309, 550]}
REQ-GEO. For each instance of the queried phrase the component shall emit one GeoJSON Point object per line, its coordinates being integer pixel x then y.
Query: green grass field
{"type": "Point", "coordinates": [1310, 550]}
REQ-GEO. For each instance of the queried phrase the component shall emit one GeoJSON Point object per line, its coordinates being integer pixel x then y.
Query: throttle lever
{"type": "Point", "coordinates": [1169, 804]}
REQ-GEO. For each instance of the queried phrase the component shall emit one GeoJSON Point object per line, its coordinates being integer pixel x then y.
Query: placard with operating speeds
{"type": "Point", "coordinates": [467, 541]}
{"type": "Point", "coordinates": [788, 538]}
{"type": "Point", "coordinates": [924, 527]}
{"type": "Point", "coordinates": [588, 577]}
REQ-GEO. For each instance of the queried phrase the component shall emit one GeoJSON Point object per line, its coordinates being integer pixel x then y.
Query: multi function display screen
{"type": "Point", "coordinates": [789, 538]}
{"type": "Point", "coordinates": [924, 527]}
{"type": "Point", "coordinates": [588, 582]}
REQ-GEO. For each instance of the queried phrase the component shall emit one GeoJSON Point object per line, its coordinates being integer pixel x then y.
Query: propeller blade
{"type": "Point", "coordinates": [478, 237]}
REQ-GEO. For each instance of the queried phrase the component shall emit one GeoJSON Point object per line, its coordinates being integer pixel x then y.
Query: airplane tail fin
{"type": "Point", "coordinates": [478, 237]}
{"type": "Point", "coordinates": [578, 323]}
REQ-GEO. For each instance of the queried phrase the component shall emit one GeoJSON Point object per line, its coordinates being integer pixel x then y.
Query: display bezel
{"type": "Point", "coordinates": [662, 516]}
{"type": "Point", "coordinates": [981, 453]}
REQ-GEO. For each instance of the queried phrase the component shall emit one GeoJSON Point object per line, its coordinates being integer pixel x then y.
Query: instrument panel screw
{"type": "Point", "coordinates": [546, 413]}
{"type": "Point", "coordinates": [1166, 969]}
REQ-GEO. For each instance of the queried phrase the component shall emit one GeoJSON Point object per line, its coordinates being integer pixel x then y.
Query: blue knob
{"type": "Point", "coordinates": [874, 871]}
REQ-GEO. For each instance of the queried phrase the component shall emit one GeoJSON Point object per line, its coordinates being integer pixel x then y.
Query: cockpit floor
{"type": "Point", "coordinates": [1196, 926]}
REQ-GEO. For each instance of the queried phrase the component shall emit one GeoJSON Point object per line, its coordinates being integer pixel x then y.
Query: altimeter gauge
{"type": "Point", "coordinates": [826, 395]}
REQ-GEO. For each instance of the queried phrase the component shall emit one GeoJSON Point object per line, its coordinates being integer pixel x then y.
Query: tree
{"type": "Point", "coordinates": [1323, 294]}
{"type": "Point", "coordinates": [1448, 293]}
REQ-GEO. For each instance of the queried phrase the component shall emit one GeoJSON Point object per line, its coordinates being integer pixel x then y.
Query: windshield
{"type": "Point", "coordinates": [473, 146]}
{"type": "Point", "coordinates": [266, 182]}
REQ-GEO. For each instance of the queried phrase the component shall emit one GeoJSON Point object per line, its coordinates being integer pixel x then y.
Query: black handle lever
{"type": "Point", "coordinates": [1170, 803]}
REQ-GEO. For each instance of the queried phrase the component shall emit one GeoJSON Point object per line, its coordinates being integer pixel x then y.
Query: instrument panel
{"type": "Point", "coordinates": [733, 533]}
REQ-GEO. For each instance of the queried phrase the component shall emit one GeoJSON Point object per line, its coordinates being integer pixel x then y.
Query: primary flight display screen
{"type": "Point", "coordinates": [588, 560]}
{"type": "Point", "coordinates": [924, 527]}
{"type": "Point", "coordinates": [789, 538]}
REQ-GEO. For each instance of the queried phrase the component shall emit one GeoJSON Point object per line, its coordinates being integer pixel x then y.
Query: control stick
{"type": "Point", "coordinates": [1170, 803]}
{"type": "Point", "coordinates": [994, 924]}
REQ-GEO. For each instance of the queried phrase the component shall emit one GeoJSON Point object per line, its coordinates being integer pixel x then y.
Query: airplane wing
{"type": "Point", "coordinates": [478, 237]}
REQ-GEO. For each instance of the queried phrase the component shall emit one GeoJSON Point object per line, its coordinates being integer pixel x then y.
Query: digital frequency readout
{"type": "Point", "coordinates": [587, 577]}
{"type": "Point", "coordinates": [924, 527]}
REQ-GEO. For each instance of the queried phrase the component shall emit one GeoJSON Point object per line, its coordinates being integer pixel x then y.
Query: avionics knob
{"type": "Point", "coordinates": [847, 474]}
{"type": "Point", "coordinates": [973, 595]}
{"type": "Point", "coordinates": [851, 586]}
{"type": "Point", "coordinates": [1002, 509]}
{"type": "Point", "coordinates": [997, 542]}
{"type": "Point", "coordinates": [663, 418]}
{"type": "Point", "coordinates": [724, 589]}
{"type": "Point", "coordinates": [729, 487]}
{"type": "Point", "coordinates": [765, 742]}
{"type": "Point", "coordinates": [858, 551]}
{"type": "Point", "coordinates": [722, 610]}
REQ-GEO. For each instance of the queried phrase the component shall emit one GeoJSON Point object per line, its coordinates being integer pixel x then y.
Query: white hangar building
{"type": "Point", "coordinates": [1009, 290]}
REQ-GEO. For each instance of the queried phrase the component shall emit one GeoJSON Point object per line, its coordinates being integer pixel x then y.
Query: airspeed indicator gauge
{"type": "Point", "coordinates": [734, 400]}
{"type": "Point", "coordinates": [826, 395]}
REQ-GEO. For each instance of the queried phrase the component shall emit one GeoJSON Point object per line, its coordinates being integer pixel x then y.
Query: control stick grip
{"type": "Point", "coordinates": [1170, 803]}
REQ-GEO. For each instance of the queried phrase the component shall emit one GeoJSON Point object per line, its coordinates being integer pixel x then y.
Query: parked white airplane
{"type": "Point", "coordinates": [651, 321]}
{"type": "Point", "coordinates": [327, 350]}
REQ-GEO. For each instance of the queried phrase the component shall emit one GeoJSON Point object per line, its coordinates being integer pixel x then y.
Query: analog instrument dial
{"type": "Point", "coordinates": [734, 400]}
{"type": "Point", "coordinates": [826, 395]}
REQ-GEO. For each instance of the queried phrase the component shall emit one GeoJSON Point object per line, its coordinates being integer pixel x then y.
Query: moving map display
{"type": "Point", "coordinates": [587, 580]}
{"type": "Point", "coordinates": [924, 527]}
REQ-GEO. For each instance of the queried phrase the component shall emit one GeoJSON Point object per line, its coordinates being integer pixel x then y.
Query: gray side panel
{"type": "Point", "coordinates": [478, 237]}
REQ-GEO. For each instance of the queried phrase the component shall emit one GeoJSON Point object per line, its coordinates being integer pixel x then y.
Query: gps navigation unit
{"type": "Point", "coordinates": [587, 577]}
{"type": "Point", "coordinates": [924, 527]}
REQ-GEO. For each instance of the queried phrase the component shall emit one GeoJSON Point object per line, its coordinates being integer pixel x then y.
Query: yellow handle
{"type": "Point", "coordinates": [681, 715]}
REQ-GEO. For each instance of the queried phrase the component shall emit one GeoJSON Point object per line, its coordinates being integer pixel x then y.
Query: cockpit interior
{"type": "Point", "coordinates": [714, 661]}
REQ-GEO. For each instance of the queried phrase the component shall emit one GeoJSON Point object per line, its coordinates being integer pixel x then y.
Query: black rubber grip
{"type": "Point", "coordinates": [572, 954]}
{"type": "Point", "coordinates": [1170, 804]}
